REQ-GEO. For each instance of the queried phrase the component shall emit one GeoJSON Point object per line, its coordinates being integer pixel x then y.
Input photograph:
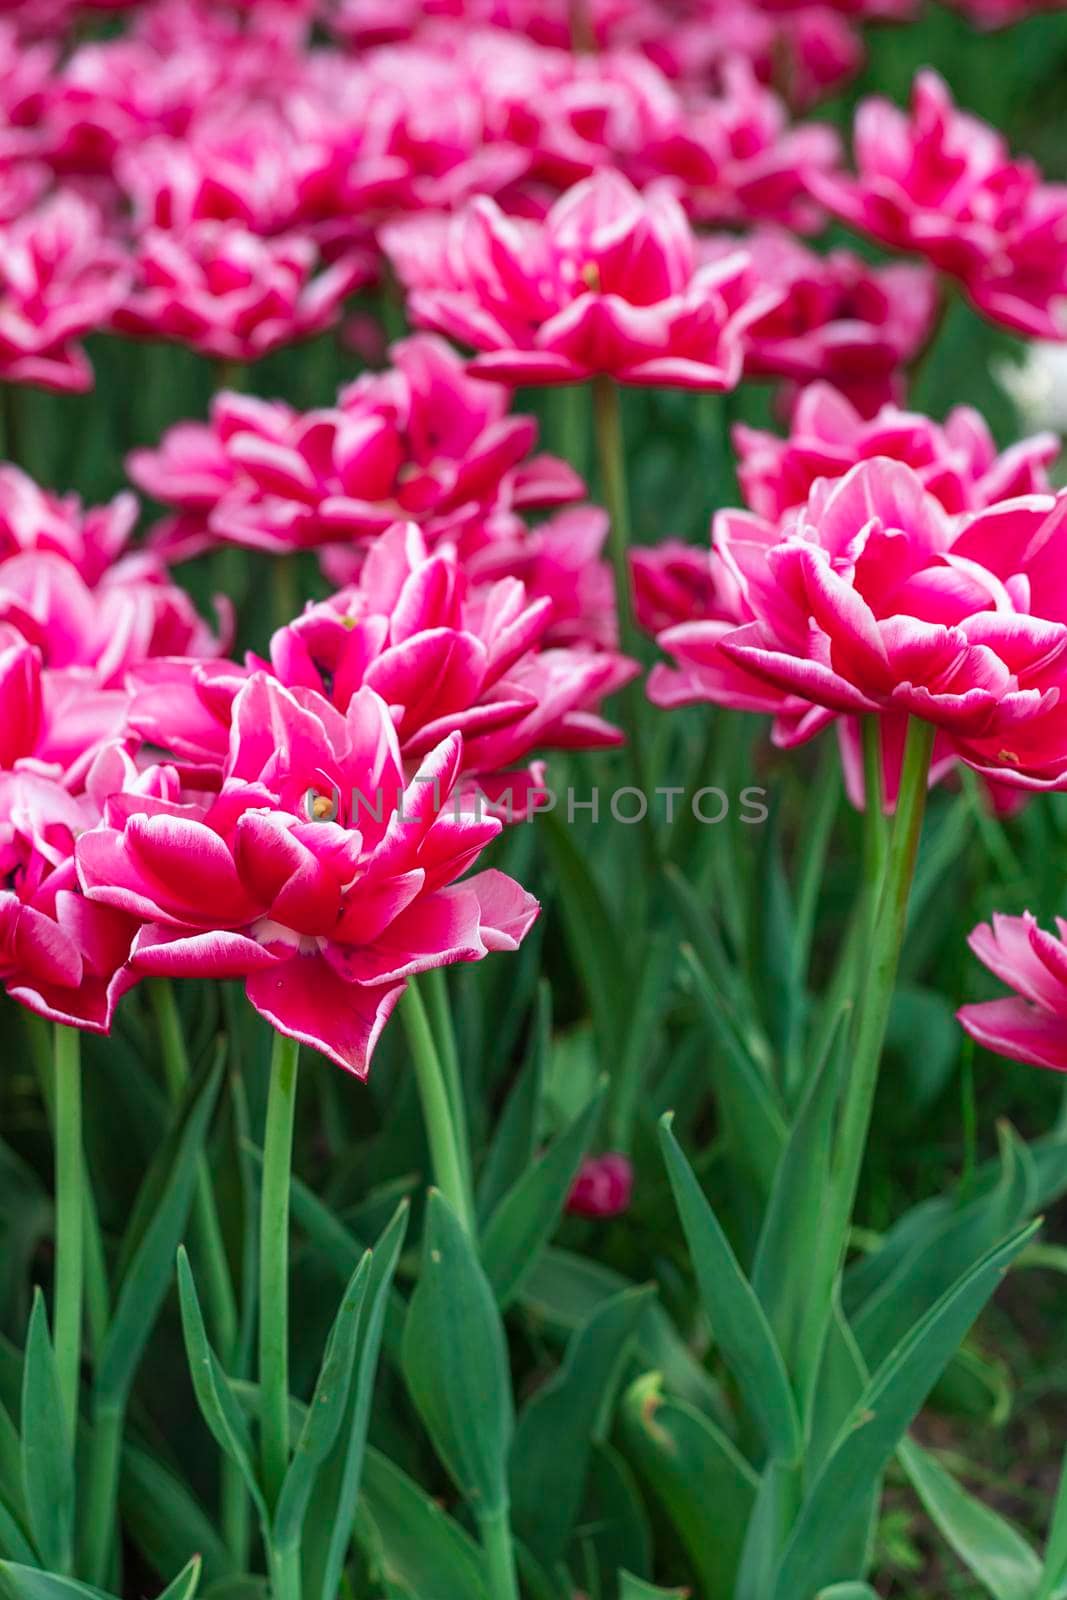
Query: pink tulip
{"type": "Point", "coordinates": [60, 955]}
{"type": "Point", "coordinates": [675, 583]}
{"type": "Point", "coordinates": [446, 656]}
{"type": "Point", "coordinates": [320, 873]}
{"type": "Point", "coordinates": [560, 560]}
{"type": "Point", "coordinates": [61, 277]}
{"type": "Point", "coordinates": [957, 460]}
{"type": "Point", "coordinates": [837, 318]}
{"type": "Point", "coordinates": [231, 295]}
{"type": "Point", "coordinates": [871, 598]}
{"type": "Point", "coordinates": [942, 183]}
{"type": "Point", "coordinates": [603, 1187]}
{"type": "Point", "coordinates": [421, 441]}
{"type": "Point", "coordinates": [89, 538]}
{"type": "Point", "coordinates": [1031, 1025]}
{"type": "Point", "coordinates": [607, 284]}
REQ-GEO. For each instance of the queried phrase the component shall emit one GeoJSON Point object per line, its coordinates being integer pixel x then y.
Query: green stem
{"type": "Point", "coordinates": [449, 1162]}
{"type": "Point", "coordinates": [876, 992]}
{"type": "Point", "coordinates": [274, 1266]}
{"type": "Point", "coordinates": [285, 1572]}
{"type": "Point", "coordinates": [218, 1281]}
{"type": "Point", "coordinates": [439, 1011]}
{"type": "Point", "coordinates": [99, 1525]}
{"type": "Point", "coordinates": [70, 1221]}
{"type": "Point", "coordinates": [286, 583]}
{"type": "Point", "coordinates": [607, 415]}
{"type": "Point", "coordinates": [874, 979]}
{"type": "Point", "coordinates": [876, 824]}
{"type": "Point", "coordinates": [495, 1530]}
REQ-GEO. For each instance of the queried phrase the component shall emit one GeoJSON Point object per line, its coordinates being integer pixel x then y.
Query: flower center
{"type": "Point", "coordinates": [319, 807]}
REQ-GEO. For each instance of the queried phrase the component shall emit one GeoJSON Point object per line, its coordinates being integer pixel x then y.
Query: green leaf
{"type": "Point", "coordinates": [421, 1547]}
{"type": "Point", "coordinates": [782, 1273]}
{"type": "Point", "coordinates": [152, 1239]}
{"type": "Point", "coordinates": [885, 1409]}
{"type": "Point", "coordinates": [29, 1583]}
{"type": "Point", "coordinates": [752, 1114]}
{"type": "Point", "coordinates": [523, 1222]}
{"type": "Point", "coordinates": [47, 1470]}
{"type": "Point", "coordinates": [185, 1585]}
{"type": "Point", "coordinates": [847, 1591]}
{"type": "Point", "coordinates": [456, 1362]}
{"type": "Point", "coordinates": [941, 1254]}
{"type": "Point", "coordinates": [218, 1404]}
{"type": "Point", "coordinates": [515, 1140]}
{"type": "Point", "coordinates": [14, 1545]}
{"type": "Point", "coordinates": [738, 1321]}
{"type": "Point", "coordinates": [555, 1433]}
{"type": "Point", "coordinates": [1055, 1569]}
{"type": "Point", "coordinates": [995, 1552]}
{"type": "Point", "coordinates": [565, 1289]}
{"type": "Point", "coordinates": [592, 935]}
{"type": "Point", "coordinates": [334, 1506]}
{"type": "Point", "coordinates": [325, 1413]}
{"type": "Point", "coordinates": [703, 1484]}
{"type": "Point", "coordinates": [164, 1520]}
{"type": "Point", "coordinates": [631, 1588]}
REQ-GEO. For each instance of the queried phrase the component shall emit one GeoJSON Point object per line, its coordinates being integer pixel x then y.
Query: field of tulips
{"type": "Point", "coordinates": [533, 837]}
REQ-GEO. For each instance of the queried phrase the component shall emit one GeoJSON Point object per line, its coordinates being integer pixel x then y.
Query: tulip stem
{"type": "Point", "coordinates": [607, 414]}
{"type": "Point", "coordinates": [495, 1529]}
{"type": "Point", "coordinates": [70, 1221]}
{"type": "Point", "coordinates": [450, 1164]}
{"type": "Point", "coordinates": [874, 983]}
{"type": "Point", "coordinates": [219, 1294]}
{"type": "Point", "coordinates": [876, 826]}
{"type": "Point", "coordinates": [274, 1266]}
{"type": "Point", "coordinates": [439, 1011]}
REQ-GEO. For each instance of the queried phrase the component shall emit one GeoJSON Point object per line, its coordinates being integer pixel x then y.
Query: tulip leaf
{"type": "Point", "coordinates": [847, 1591]}
{"type": "Point", "coordinates": [996, 1553]}
{"type": "Point", "coordinates": [557, 1428]}
{"type": "Point", "coordinates": [152, 1238]}
{"type": "Point", "coordinates": [164, 1520]}
{"type": "Point", "coordinates": [29, 1583]}
{"type": "Point", "coordinates": [422, 1548]}
{"type": "Point", "coordinates": [515, 1140]}
{"type": "Point", "coordinates": [631, 1588]}
{"type": "Point", "coordinates": [47, 1468]}
{"type": "Point", "coordinates": [704, 1485]}
{"type": "Point", "coordinates": [214, 1393]}
{"type": "Point", "coordinates": [597, 952]}
{"type": "Point", "coordinates": [738, 1320]}
{"type": "Point", "coordinates": [325, 1413]}
{"type": "Point", "coordinates": [1055, 1568]}
{"type": "Point", "coordinates": [523, 1222]}
{"type": "Point", "coordinates": [752, 1115]}
{"type": "Point", "coordinates": [185, 1585]}
{"type": "Point", "coordinates": [14, 1545]}
{"type": "Point", "coordinates": [564, 1289]}
{"type": "Point", "coordinates": [455, 1362]}
{"type": "Point", "coordinates": [337, 1492]}
{"type": "Point", "coordinates": [938, 1259]}
{"type": "Point", "coordinates": [782, 1273]}
{"type": "Point", "coordinates": [881, 1416]}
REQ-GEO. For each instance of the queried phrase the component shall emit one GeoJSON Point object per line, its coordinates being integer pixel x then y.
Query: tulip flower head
{"type": "Point", "coordinates": [320, 872]}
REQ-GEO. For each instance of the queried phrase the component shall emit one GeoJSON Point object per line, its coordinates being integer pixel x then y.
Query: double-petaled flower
{"type": "Point", "coordinates": [609, 283]}
{"type": "Point", "coordinates": [321, 871]}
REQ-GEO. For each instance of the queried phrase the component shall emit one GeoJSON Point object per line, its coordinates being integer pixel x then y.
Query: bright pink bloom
{"type": "Point", "coordinates": [607, 284]}
{"type": "Point", "coordinates": [837, 318]}
{"type": "Point", "coordinates": [232, 295]}
{"type": "Point", "coordinates": [60, 955]}
{"type": "Point", "coordinates": [675, 583]}
{"type": "Point", "coordinates": [444, 655]}
{"type": "Point", "coordinates": [91, 538]}
{"type": "Point", "coordinates": [562, 561]}
{"type": "Point", "coordinates": [734, 158]}
{"type": "Point", "coordinates": [871, 598]}
{"type": "Point", "coordinates": [1031, 1026]}
{"type": "Point", "coordinates": [321, 874]}
{"type": "Point", "coordinates": [61, 277]}
{"type": "Point", "coordinates": [957, 460]}
{"type": "Point", "coordinates": [421, 441]}
{"type": "Point", "coordinates": [944, 184]}
{"type": "Point", "coordinates": [603, 1187]}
